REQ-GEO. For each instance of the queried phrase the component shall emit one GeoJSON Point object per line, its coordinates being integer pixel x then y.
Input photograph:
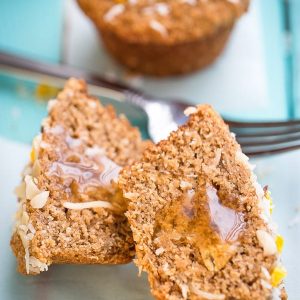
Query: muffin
{"type": "Point", "coordinates": [164, 37]}
{"type": "Point", "coordinates": [201, 223]}
{"type": "Point", "coordinates": [70, 208]}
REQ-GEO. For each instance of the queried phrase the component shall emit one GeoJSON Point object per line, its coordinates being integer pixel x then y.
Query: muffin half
{"type": "Point", "coordinates": [200, 220]}
{"type": "Point", "coordinates": [71, 210]}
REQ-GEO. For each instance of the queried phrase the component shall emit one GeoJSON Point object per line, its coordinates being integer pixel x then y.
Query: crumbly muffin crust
{"type": "Point", "coordinates": [164, 37]}
{"type": "Point", "coordinates": [82, 147]}
{"type": "Point", "coordinates": [179, 240]}
{"type": "Point", "coordinates": [182, 21]}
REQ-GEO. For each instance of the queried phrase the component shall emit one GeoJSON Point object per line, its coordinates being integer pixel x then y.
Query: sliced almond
{"type": "Point", "coordinates": [206, 295]}
{"type": "Point", "coordinates": [31, 188]}
{"type": "Point", "coordinates": [267, 242]}
{"type": "Point", "coordinates": [39, 200]}
{"type": "Point", "coordinates": [85, 205]}
{"type": "Point", "coordinates": [190, 110]}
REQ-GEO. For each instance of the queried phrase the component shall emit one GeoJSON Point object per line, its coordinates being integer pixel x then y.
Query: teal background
{"type": "Point", "coordinates": [20, 112]}
{"type": "Point", "coordinates": [32, 28]}
{"type": "Point", "coordinates": [35, 29]}
{"type": "Point", "coordinates": [272, 21]}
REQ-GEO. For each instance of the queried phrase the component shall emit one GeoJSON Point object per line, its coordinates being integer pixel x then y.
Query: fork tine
{"type": "Point", "coordinates": [268, 140]}
{"type": "Point", "coordinates": [263, 129]}
{"type": "Point", "coordinates": [259, 151]}
{"type": "Point", "coordinates": [261, 124]}
{"type": "Point", "coordinates": [252, 133]}
{"type": "Point", "coordinates": [264, 133]}
{"type": "Point", "coordinates": [244, 133]}
{"type": "Point", "coordinates": [262, 138]}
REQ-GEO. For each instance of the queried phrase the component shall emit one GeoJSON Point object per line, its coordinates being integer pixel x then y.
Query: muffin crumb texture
{"type": "Point", "coordinates": [201, 222]}
{"type": "Point", "coordinates": [70, 209]}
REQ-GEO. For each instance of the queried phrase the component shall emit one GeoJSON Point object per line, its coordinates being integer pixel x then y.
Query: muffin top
{"type": "Point", "coordinates": [168, 21]}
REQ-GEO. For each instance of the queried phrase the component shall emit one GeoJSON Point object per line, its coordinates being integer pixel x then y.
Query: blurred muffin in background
{"type": "Point", "coordinates": [164, 37]}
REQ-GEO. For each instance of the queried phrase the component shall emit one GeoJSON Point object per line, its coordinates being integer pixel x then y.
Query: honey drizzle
{"type": "Point", "coordinates": [210, 227]}
{"type": "Point", "coordinates": [93, 171]}
{"type": "Point", "coordinates": [228, 222]}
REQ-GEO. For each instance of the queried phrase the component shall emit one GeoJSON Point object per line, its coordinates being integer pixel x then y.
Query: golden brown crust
{"type": "Point", "coordinates": [163, 60]}
{"type": "Point", "coordinates": [18, 250]}
{"type": "Point", "coordinates": [78, 123]}
{"type": "Point", "coordinates": [183, 21]}
{"type": "Point", "coordinates": [184, 37]}
{"type": "Point", "coordinates": [198, 155]}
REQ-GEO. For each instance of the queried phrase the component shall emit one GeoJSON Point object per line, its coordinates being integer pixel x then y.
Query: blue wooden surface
{"type": "Point", "coordinates": [32, 28]}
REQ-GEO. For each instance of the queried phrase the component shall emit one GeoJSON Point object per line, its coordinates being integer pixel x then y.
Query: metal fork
{"type": "Point", "coordinates": [256, 138]}
{"type": "Point", "coordinates": [263, 138]}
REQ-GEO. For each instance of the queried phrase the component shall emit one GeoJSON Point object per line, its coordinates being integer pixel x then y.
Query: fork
{"type": "Point", "coordinates": [255, 138]}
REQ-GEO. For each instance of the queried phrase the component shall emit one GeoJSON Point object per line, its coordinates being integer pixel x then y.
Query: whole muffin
{"type": "Point", "coordinates": [164, 37]}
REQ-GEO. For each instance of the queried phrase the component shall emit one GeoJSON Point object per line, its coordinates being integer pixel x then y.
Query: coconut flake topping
{"type": "Point", "coordinates": [113, 12]}
{"type": "Point", "coordinates": [190, 110]}
{"type": "Point", "coordinates": [267, 242]}
{"type": "Point", "coordinates": [90, 204]}
{"type": "Point", "coordinates": [206, 295]}
{"type": "Point", "coordinates": [39, 200]}
{"type": "Point", "coordinates": [157, 26]}
{"type": "Point", "coordinates": [31, 189]}
{"type": "Point", "coordinates": [190, 2]}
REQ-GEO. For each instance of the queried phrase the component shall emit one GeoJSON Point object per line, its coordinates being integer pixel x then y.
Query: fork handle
{"type": "Point", "coordinates": [62, 71]}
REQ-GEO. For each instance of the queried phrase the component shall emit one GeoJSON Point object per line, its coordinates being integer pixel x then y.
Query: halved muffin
{"type": "Point", "coordinates": [71, 210]}
{"type": "Point", "coordinates": [200, 220]}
